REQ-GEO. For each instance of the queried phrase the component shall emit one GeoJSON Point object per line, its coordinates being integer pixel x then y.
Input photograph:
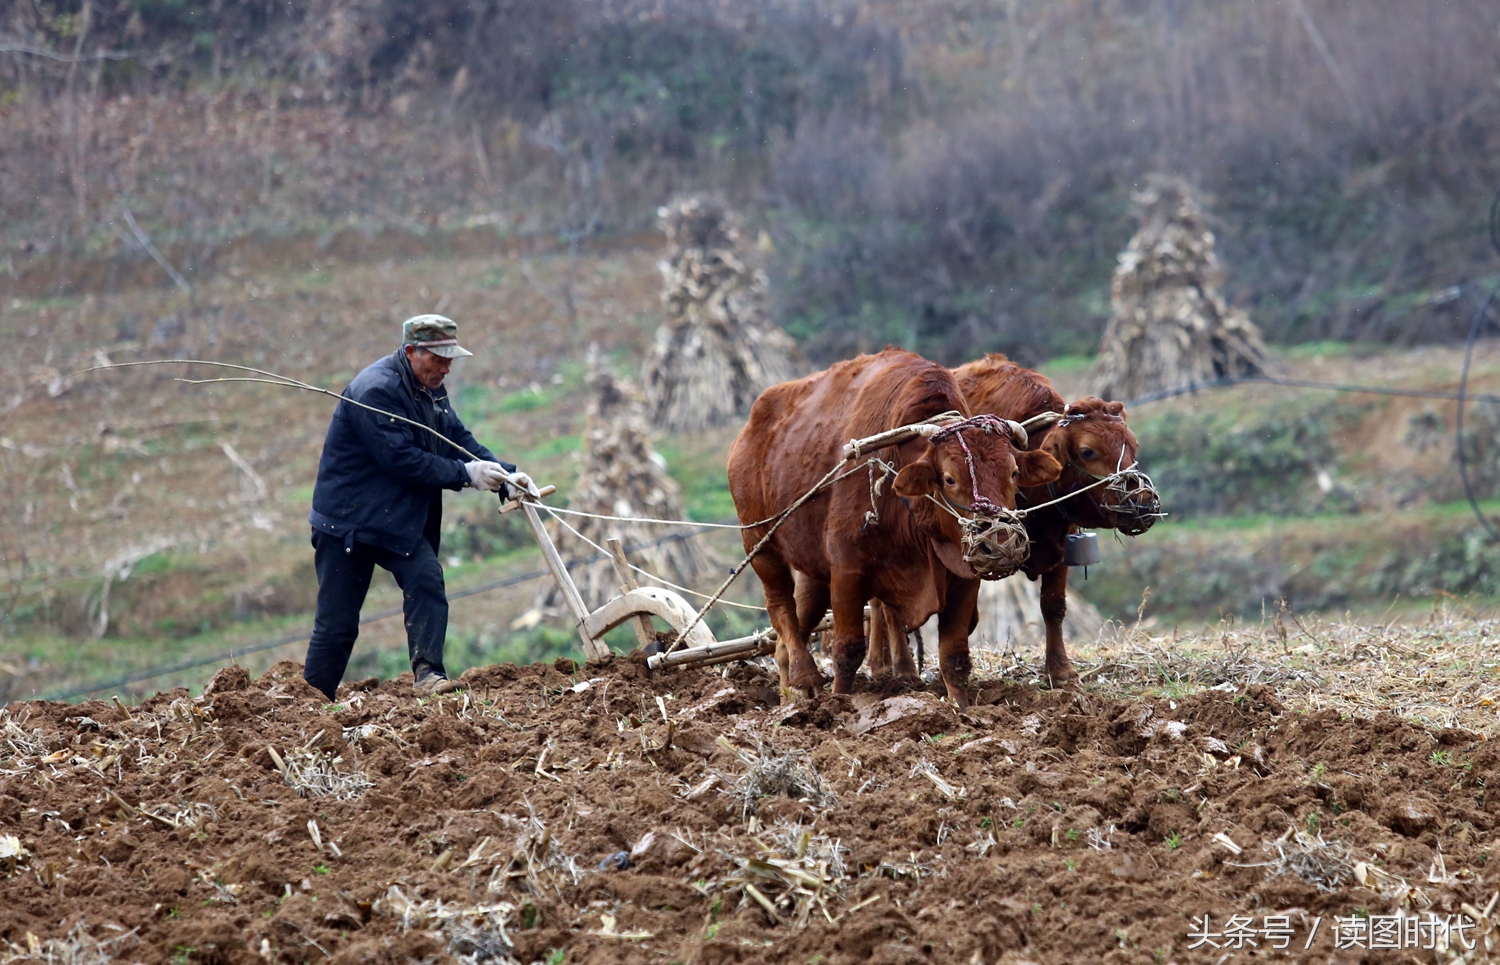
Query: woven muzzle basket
{"type": "Point", "coordinates": [995, 546]}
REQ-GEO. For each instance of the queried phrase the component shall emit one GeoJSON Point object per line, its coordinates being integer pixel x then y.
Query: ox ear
{"type": "Point", "coordinates": [916, 479]}
{"type": "Point", "coordinates": [1116, 408]}
{"type": "Point", "coordinates": [1037, 468]}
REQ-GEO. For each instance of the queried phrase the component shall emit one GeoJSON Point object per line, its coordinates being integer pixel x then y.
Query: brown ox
{"type": "Point", "coordinates": [1091, 441]}
{"type": "Point", "coordinates": [910, 558]}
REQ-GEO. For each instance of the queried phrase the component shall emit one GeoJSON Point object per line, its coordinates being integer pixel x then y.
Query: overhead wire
{"type": "Point", "coordinates": [1463, 380]}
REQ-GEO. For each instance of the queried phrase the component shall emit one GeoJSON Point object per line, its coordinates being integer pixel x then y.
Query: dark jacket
{"type": "Point", "coordinates": [380, 481]}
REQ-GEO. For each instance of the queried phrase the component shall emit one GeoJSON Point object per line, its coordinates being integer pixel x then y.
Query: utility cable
{"type": "Point", "coordinates": [1463, 380]}
{"type": "Point", "coordinates": [1230, 381]}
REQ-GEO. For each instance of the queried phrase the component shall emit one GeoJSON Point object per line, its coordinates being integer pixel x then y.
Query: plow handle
{"type": "Point", "coordinates": [516, 503]}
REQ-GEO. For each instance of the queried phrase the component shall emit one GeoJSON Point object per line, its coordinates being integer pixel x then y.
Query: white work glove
{"type": "Point", "coordinates": [521, 481]}
{"type": "Point", "coordinates": [485, 475]}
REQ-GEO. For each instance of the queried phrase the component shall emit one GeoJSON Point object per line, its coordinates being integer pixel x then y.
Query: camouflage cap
{"type": "Point", "coordinates": [436, 334]}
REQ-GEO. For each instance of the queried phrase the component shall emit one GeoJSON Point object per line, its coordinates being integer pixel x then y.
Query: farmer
{"type": "Point", "coordinates": [378, 501]}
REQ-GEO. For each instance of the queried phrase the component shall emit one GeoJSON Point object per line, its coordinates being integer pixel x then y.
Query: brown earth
{"type": "Point", "coordinates": [1034, 827]}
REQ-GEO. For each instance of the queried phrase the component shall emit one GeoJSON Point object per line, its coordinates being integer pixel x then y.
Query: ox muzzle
{"type": "Point", "coordinates": [1130, 502]}
{"type": "Point", "coordinates": [994, 545]}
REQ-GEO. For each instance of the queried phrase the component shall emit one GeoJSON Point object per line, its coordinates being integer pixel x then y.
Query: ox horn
{"type": "Point", "coordinates": [1018, 433]}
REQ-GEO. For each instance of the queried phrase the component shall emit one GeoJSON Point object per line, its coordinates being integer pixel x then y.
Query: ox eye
{"type": "Point", "coordinates": [1087, 453]}
{"type": "Point", "coordinates": [948, 480]}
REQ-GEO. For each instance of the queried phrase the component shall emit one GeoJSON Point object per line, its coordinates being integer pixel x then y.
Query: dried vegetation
{"type": "Point", "coordinates": [1438, 671]}
{"type": "Point", "coordinates": [690, 815]}
{"type": "Point", "coordinates": [1170, 327]}
{"type": "Point", "coordinates": [717, 351]}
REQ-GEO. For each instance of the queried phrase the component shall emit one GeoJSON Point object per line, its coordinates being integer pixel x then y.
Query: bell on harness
{"type": "Point", "coordinates": [1081, 549]}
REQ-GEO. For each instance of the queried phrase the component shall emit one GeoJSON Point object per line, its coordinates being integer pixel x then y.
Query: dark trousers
{"type": "Point", "coordinates": [344, 579]}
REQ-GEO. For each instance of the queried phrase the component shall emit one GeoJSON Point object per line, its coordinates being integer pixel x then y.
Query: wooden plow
{"type": "Point", "coordinates": [636, 605]}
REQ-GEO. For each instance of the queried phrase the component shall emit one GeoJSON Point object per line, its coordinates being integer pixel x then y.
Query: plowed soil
{"type": "Point", "coordinates": [609, 814]}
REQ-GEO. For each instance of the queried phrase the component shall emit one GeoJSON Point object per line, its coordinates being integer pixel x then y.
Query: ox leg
{"type": "Point", "coordinates": [955, 621]}
{"type": "Point", "coordinates": [1054, 607]}
{"type": "Point", "coordinates": [848, 596]}
{"type": "Point", "coordinates": [902, 665]}
{"type": "Point", "coordinates": [880, 646]}
{"type": "Point", "coordinates": [793, 663]}
{"type": "Point", "coordinates": [812, 603]}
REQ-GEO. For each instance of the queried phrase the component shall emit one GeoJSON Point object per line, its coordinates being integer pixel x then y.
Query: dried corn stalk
{"type": "Point", "coordinates": [1171, 328]}
{"type": "Point", "coordinates": [1010, 615]}
{"type": "Point", "coordinates": [621, 475]}
{"type": "Point", "coordinates": [716, 352]}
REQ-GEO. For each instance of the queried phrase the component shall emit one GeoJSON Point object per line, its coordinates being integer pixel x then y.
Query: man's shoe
{"type": "Point", "coordinates": [432, 682]}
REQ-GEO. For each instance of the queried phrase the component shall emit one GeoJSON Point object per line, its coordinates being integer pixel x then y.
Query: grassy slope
{"type": "Point", "coordinates": [144, 458]}
{"type": "Point", "coordinates": [1394, 526]}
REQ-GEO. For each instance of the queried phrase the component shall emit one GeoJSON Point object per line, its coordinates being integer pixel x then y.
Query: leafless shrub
{"type": "Point", "coordinates": [18, 742]}
{"type": "Point", "coordinates": [535, 860]}
{"type": "Point", "coordinates": [799, 871]}
{"type": "Point", "coordinates": [315, 774]}
{"type": "Point", "coordinates": [188, 815]}
{"type": "Point", "coordinates": [796, 839]}
{"type": "Point", "coordinates": [476, 933]}
{"type": "Point", "coordinates": [907, 867]}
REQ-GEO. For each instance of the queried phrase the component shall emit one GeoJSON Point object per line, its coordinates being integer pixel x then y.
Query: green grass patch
{"type": "Point", "coordinates": [1066, 365]}
{"type": "Point", "coordinates": [1316, 350]}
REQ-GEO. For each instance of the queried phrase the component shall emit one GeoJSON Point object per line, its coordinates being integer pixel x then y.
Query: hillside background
{"type": "Point", "coordinates": [953, 177]}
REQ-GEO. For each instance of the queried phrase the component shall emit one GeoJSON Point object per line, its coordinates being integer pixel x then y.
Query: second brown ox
{"type": "Point", "coordinates": [909, 557]}
{"type": "Point", "coordinates": [1091, 441]}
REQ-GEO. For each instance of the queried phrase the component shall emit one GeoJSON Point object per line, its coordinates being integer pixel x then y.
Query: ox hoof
{"type": "Point", "coordinates": [1062, 678]}
{"type": "Point", "coordinates": [804, 675]}
{"type": "Point", "coordinates": [959, 696]}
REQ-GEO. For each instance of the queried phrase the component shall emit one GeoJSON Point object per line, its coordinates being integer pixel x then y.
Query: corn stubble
{"type": "Point", "coordinates": [717, 351]}
{"type": "Point", "coordinates": [1171, 327]}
